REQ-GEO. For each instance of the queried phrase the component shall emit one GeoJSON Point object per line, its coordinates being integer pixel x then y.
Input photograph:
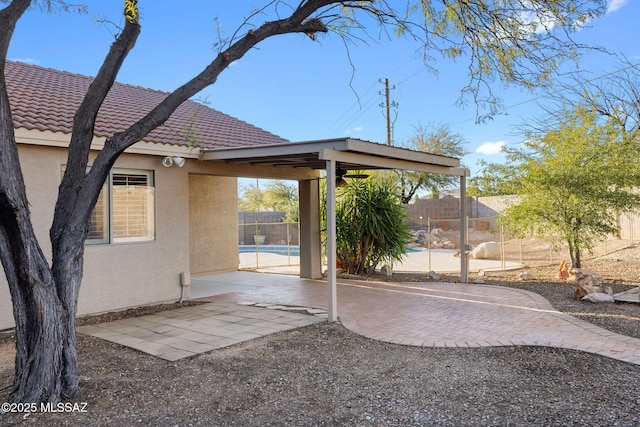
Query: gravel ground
{"type": "Point", "coordinates": [325, 375]}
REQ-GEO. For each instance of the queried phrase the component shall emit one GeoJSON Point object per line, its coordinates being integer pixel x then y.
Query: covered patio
{"type": "Point", "coordinates": [336, 156]}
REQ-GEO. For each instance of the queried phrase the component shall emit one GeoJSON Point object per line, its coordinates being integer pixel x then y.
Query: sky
{"type": "Point", "coordinates": [300, 89]}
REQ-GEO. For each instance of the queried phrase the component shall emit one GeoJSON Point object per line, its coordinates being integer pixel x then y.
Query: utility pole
{"type": "Point", "coordinates": [388, 105]}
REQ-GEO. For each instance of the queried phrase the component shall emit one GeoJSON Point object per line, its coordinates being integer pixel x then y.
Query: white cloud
{"type": "Point", "coordinates": [490, 147]}
{"type": "Point", "coordinates": [616, 4]}
{"type": "Point", "coordinates": [30, 61]}
{"type": "Point", "coordinates": [357, 129]}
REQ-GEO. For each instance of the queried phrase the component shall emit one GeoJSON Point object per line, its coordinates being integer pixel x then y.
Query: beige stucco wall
{"type": "Point", "coordinates": [116, 276]}
{"type": "Point", "coordinates": [119, 276]}
{"type": "Point", "coordinates": [213, 224]}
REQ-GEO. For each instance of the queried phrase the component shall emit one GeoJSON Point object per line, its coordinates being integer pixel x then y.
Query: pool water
{"type": "Point", "coordinates": [273, 249]}
{"type": "Point", "coordinates": [292, 250]}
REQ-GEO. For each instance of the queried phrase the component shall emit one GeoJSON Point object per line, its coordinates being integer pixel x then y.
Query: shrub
{"type": "Point", "coordinates": [370, 227]}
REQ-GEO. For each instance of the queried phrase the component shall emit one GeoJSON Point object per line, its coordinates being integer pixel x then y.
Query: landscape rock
{"type": "Point", "coordinates": [525, 275]}
{"type": "Point", "coordinates": [448, 244]}
{"type": "Point", "coordinates": [597, 297]}
{"type": "Point", "coordinates": [582, 277]}
{"type": "Point", "coordinates": [386, 270]}
{"type": "Point", "coordinates": [486, 250]}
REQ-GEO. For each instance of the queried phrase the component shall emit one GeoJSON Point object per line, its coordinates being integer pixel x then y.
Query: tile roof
{"type": "Point", "coordinates": [46, 99]}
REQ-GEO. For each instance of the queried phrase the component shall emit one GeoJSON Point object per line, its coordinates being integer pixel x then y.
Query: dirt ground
{"type": "Point", "coordinates": [325, 375]}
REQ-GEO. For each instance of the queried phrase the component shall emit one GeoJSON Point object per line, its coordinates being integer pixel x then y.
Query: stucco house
{"type": "Point", "coordinates": [169, 208]}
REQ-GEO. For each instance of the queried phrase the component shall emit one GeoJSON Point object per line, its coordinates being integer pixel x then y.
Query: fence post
{"type": "Point", "coordinates": [521, 256]}
{"type": "Point", "coordinates": [502, 251]}
{"type": "Point", "coordinates": [429, 242]}
{"type": "Point", "coordinates": [288, 245]}
{"type": "Point", "coordinates": [255, 238]}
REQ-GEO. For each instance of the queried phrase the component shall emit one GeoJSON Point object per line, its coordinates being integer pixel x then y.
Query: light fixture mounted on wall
{"type": "Point", "coordinates": [167, 162]}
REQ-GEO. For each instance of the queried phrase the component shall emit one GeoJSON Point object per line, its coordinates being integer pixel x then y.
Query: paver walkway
{"type": "Point", "coordinates": [439, 314]}
{"type": "Point", "coordinates": [417, 314]}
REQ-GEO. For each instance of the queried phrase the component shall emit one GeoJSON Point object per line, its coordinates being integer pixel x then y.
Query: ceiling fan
{"type": "Point", "coordinates": [341, 174]}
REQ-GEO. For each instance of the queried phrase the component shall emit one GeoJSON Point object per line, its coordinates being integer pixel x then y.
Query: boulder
{"type": "Point", "coordinates": [386, 270]}
{"type": "Point", "coordinates": [598, 297]}
{"type": "Point", "coordinates": [436, 232]}
{"type": "Point", "coordinates": [525, 275]}
{"type": "Point", "coordinates": [582, 277]}
{"type": "Point", "coordinates": [448, 244]}
{"type": "Point", "coordinates": [486, 250]}
{"type": "Point", "coordinates": [582, 291]}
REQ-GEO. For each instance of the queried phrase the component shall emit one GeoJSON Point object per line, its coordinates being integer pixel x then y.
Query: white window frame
{"type": "Point", "coordinates": [109, 192]}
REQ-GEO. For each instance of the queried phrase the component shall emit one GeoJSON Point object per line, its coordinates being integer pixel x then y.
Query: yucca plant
{"type": "Point", "coordinates": [370, 226]}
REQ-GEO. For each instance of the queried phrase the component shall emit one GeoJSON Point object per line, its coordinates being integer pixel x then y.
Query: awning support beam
{"type": "Point", "coordinates": [332, 303]}
{"type": "Point", "coordinates": [464, 249]}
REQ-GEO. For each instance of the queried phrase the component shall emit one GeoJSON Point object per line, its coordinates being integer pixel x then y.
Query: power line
{"type": "Point", "coordinates": [359, 109]}
{"type": "Point", "coordinates": [344, 121]}
{"type": "Point", "coordinates": [526, 101]}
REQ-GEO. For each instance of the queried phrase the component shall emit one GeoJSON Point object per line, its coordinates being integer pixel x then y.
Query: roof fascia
{"type": "Point", "coordinates": [292, 148]}
{"type": "Point", "coordinates": [61, 140]}
{"type": "Point", "coordinates": [391, 163]}
{"type": "Point", "coordinates": [400, 153]}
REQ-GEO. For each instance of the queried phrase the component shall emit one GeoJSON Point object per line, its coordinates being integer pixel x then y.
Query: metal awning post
{"type": "Point", "coordinates": [332, 303]}
{"type": "Point", "coordinates": [464, 252]}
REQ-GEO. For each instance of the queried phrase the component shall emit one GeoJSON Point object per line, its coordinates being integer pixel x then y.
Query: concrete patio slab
{"type": "Point", "coordinates": [185, 332]}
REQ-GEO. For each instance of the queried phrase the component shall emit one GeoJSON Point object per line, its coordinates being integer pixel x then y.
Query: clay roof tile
{"type": "Point", "coordinates": [47, 99]}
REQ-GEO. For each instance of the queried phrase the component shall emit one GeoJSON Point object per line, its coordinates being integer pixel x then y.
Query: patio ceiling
{"type": "Point", "coordinates": [348, 153]}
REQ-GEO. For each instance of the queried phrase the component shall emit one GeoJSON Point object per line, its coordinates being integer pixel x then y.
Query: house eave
{"type": "Point", "coordinates": [61, 140]}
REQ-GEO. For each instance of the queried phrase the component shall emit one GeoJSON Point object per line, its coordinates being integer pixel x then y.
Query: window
{"type": "Point", "coordinates": [99, 223]}
{"type": "Point", "coordinates": [125, 209]}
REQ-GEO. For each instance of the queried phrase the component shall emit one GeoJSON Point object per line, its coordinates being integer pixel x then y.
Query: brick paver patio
{"type": "Point", "coordinates": [416, 314]}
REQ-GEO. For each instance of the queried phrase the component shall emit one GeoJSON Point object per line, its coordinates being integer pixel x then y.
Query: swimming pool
{"type": "Point", "coordinates": [272, 249]}
{"type": "Point", "coordinates": [292, 250]}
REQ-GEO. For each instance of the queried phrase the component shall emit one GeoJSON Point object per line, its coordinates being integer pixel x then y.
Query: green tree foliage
{"type": "Point", "coordinates": [282, 196]}
{"type": "Point", "coordinates": [433, 139]}
{"type": "Point", "coordinates": [571, 181]}
{"type": "Point", "coordinates": [494, 179]}
{"type": "Point", "coordinates": [251, 199]}
{"type": "Point", "coordinates": [278, 195]}
{"type": "Point", "coordinates": [370, 226]}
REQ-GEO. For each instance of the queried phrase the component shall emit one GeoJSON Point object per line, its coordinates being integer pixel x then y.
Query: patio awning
{"type": "Point", "coordinates": [351, 154]}
{"type": "Point", "coordinates": [347, 154]}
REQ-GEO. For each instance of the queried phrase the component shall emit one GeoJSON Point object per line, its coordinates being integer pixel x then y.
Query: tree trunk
{"type": "Point", "coordinates": [574, 254]}
{"type": "Point", "coordinates": [577, 258]}
{"type": "Point", "coordinates": [37, 311]}
{"type": "Point", "coordinates": [68, 261]}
